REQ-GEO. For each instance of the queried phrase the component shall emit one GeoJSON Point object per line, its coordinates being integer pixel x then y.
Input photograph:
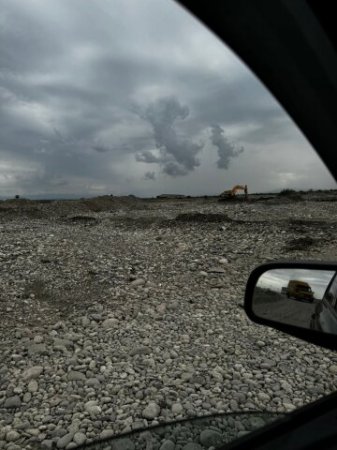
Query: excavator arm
{"type": "Point", "coordinates": [232, 192]}
{"type": "Point", "coordinates": [238, 187]}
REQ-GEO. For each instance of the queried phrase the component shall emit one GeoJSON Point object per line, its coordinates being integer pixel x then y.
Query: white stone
{"type": "Point", "coordinates": [92, 408]}
{"type": "Point", "coordinates": [32, 372]}
{"type": "Point", "coordinates": [33, 386]}
{"type": "Point", "coordinates": [177, 408]}
{"type": "Point", "coordinates": [79, 438]}
{"type": "Point", "coordinates": [110, 323]}
{"type": "Point", "coordinates": [151, 411]}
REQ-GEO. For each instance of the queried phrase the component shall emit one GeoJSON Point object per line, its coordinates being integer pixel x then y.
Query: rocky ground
{"type": "Point", "coordinates": [119, 314]}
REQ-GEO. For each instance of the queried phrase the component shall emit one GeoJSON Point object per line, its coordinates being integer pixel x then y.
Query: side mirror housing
{"type": "Point", "coordinates": [298, 298]}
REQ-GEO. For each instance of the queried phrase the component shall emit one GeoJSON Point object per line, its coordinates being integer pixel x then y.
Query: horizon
{"type": "Point", "coordinates": [52, 197]}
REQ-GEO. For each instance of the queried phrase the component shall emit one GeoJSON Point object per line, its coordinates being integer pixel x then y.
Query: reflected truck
{"type": "Point", "coordinates": [300, 290]}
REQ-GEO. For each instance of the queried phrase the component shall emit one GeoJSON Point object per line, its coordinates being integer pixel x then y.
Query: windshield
{"type": "Point", "coordinates": [144, 172]}
{"type": "Point", "coordinates": [304, 288]}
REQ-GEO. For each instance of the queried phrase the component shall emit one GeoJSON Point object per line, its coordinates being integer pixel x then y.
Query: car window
{"type": "Point", "coordinates": [144, 171]}
{"type": "Point", "coordinates": [331, 294]}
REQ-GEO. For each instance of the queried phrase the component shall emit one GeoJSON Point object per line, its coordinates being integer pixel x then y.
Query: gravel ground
{"type": "Point", "coordinates": [198, 434]}
{"type": "Point", "coordinates": [119, 314]}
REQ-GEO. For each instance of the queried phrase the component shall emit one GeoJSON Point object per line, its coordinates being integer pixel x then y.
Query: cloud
{"type": "Point", "coordinates": [150, 176]}
{"type": "Point", "coordinates": [177, 153]}
{"type": "Point", "coordinates": [148, 157]}
{"type": "Point", "coordinates": [174, 169]}
{"type": "Point", "coordinates": [100, 149]}
{"type": "Point", "coordinates": [226, 149]}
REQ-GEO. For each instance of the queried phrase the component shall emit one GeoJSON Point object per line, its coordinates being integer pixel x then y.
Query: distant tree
{"type": "Point", "coordinates": [287, 192]}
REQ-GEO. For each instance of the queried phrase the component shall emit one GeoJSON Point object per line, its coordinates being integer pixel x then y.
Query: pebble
{"type": "Point", "coordinates": [79, 438]}
{"type": "Point", "coordinates": [256, 422]}
{"type": "Point", "coordinates": [167, 445]}
{"type": "Point", "coordinates": [177, 408]}
{"type": "Point", "coordinates": [13, 446]}
{"type": "Point", "coordinates": [32, 372]}
{"type": "Point", "coordinates": [151, 411]}
{"type": "Point", "coordinates": [192, 446]}
{"type": "Point", "coordinates": [137, 282]}
{"type": "Point", "coordinates": [12, 435]}
{"type": "Point", "coordinates": [267, 364]}
{"type": "Point", "coordinates": [92, 408]}
{"type": "Point", "coordinates": [142, 350]}
{"type": "Point", "coordinates": [74, 375]}
{"type": "Point", "coordinates": [161, 308]}
{"type": "Point", "coordinates": [37, 349]}
{"type": "Point", "coordinates": [333, 369]}
{"type": "Point", "coordinates": [123, 444]}
{"type": "Point", "coordinates": [107, 434]}
{"type": "Point", "coordinates": [33, 386]}
{"type": "Point", "coordinates": [289, 406]}
{"type": "Point", "coordinates": [85, 321]}
{"type": "Point", "coordinates": [263, 397]}
{"type": "Point", "coordinates": [64, 440]}
{"type": "Point", "coordinates": [93, 382]}
{"type": "Point", "coordinates": [13, 402]}
{"type": "Point", "coordinates": [109, 323]}
{"type": "Point", "coordinates": [223, 261]}
{"type": "Point", "coordinates": [210, 438]}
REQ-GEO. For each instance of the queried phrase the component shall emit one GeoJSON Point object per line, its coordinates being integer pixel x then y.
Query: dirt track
{"type": "Point", "coordinates": [287, 311]}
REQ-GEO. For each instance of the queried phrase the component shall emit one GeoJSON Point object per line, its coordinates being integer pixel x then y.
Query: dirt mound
{"type": "Point", "coordinates": [300, 244]}
{"type": "Point", "coordinates": [15, 208]}
{"type": "Point", "coordinates": [139, 222]}
{"type": "Point", "coordinates": [109, 202]}
{"type": "Point", "coordinates": [202, 218]}
{"type": "Point", "coordinates": [83, 220]}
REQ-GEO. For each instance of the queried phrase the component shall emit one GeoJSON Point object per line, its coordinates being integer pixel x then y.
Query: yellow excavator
{"type": "Point", "coordinates": [232, 192]}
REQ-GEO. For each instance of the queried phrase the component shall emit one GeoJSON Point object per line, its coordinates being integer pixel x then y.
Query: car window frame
{"type": "Point", "coordinates": [332, 286]}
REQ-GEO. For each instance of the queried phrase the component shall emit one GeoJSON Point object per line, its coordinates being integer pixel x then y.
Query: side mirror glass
{"type": "Point", "coordinates": [298, 298]}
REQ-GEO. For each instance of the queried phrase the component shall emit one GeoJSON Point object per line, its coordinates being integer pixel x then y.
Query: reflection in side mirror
{"type": "Point", "coordinates": [300, 297]}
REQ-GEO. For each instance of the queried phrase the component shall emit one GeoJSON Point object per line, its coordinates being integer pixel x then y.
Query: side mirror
{"type": "Point", "coordinates": [298, 298]}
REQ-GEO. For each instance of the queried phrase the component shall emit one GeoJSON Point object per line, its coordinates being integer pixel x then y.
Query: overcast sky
{"type": "Point", "coordinates": [277, 278]}
{"type": "Point", "coordinates": [128, 96]}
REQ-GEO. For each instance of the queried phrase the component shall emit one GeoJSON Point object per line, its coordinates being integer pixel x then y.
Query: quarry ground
{"type": "Point", "coordinates": [118, 313]}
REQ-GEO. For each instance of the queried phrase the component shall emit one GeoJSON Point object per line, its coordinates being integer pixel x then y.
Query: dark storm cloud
{"type": "Point", "coordinates": [148, 157]}
{"type": "Point", "coordinates": [177, 153]}
{"type": "Point", "coordinates": [174, 169]}
{"type": "Point", "coordinates": [150, 176]}
{"type": "Point", "coordinates": [226, 149]}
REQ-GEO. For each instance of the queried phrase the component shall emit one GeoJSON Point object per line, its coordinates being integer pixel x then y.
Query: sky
{"type": "Point", "coordinates": [136, 97]}
{"type": "Point", "coordinates": [277, 278]}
